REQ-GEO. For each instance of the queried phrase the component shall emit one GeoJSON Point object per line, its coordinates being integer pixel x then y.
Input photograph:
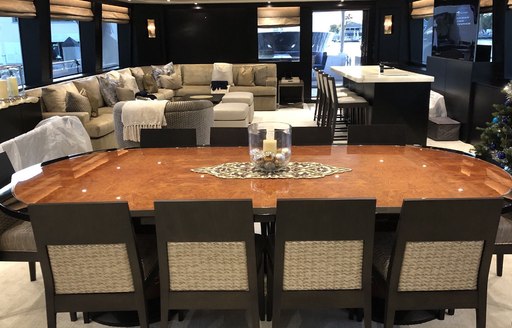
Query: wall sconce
{"type": "Point", "coordinates": [388, 24]}
{"type": "Point", "coordinates": [151, 29]}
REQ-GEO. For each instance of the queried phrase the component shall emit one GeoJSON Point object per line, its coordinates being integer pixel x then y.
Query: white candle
{"type": "Point", "coordinates": [13, 86]}
{"type": "Point", "coordinates": [270, 145]}
{"type": "Point", "coordinates": [3, 89]}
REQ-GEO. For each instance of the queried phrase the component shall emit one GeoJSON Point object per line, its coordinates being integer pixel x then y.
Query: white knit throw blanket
{"type": "Point", "coordinates": [139, 114]}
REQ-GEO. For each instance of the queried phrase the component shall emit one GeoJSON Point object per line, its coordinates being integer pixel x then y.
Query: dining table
{"type": "Point", "coordinates": [141, 176]}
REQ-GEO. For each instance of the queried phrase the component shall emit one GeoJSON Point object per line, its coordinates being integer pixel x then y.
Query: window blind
{"type": "Point", "coordinates": [114, 14]}
{"type": "Point", "coordinates": [71, 10]}
{"type": "Point", "coordinates": [425, 8]}
{"type": "Point", "coordinates": [278, 16]}
{"type": "Point", "coordinates": [17, 8]}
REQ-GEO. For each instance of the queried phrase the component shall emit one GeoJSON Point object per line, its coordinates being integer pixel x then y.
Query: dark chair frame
{"type": "Point", "coordinates": [206, 221]}
{"type": "Point", "coordinates": [311, 136]}
{"type": "Point", "coordinates": [501, 248]}
{"type": "Point", "coordinates": [6, 198]}
{"type": "Point", "coordinates": [90, 223]}
{"type": "Point", "coordinates": [229, 137]}
{"type": "Point", "coordinates": [327, 220]}
{"type": "Point", "coordinates": [376, 134]}
{"type": "Point", "coordinates": [166, 138]}
{"type": "Point", "coordinates": [443, 220]}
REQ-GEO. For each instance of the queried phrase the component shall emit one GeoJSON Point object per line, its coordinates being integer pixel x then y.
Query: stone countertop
{"type": "Point", "coordinates": [371, 74]}
{"type": "Point", "coordinates": [5, 104]}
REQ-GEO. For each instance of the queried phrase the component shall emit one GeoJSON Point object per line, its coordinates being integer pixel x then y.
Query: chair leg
{"type": "Point", "coordinates": [72, 316]}
{"type": "Point", "coordinates": [181, 315]}
{"type": "Point", "coordinates": [480, 316]}
{"type": "Point", "coordinates": [261, 288]}
{"type": "Point", "coordinates": [164, 310]}
{"type": "Point", "coordinates": [51, 317]}
{"type": "Point", "coordinates": [499, 264]}
{"type": "Point", "coordinates": [367, 313]}
{"type": "Point", "coordinates": [389, 317]}
{"type": "Point", "coordinates": [450, 312]}
{"type": "Point", "coordinates": [32, 270]}
{"type": "Point", "coordinates": [87, 317]}
{"type": "Point", "coordinates": [143, 317]}
{"type": "Point", "coordinates": [255, 316]}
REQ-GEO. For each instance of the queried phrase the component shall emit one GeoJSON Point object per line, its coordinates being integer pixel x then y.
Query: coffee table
{"type": "Point", "coordinates": [214, 98]}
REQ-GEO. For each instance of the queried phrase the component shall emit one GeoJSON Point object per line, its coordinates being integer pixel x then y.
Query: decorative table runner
{"type": "Point", "coordinates": [294, 170]}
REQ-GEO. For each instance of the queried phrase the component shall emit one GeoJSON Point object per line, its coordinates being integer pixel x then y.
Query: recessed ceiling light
{"type": "Point", "coordinates": [195, 3]}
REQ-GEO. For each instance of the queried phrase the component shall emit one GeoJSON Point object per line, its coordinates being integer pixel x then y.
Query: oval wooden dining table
{"type": "Point", "coordinates": [140, 176]}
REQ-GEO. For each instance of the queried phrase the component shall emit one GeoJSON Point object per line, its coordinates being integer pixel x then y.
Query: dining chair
{"type": "Point", "coordinates": [90, 259]}
{"type": "Point", "coordinates": [319, 94]}
{"type": "Point", "coordinates": [229, 137]}
{"type": "Point", "coordinates": [16, 235]}
{"type": "Point", "coordinates": [440, 257]}
{"type": "Point", "coordinates": [207, 256]}
{"type": "Point", "coordinates": [165, 138]}
{"type": "Point", "coordinates": [503, 244]}
{"type": "Point", "coordinates": [311, 136]}
{"type": "Point", "coordinates": [376, 134]}
{"type": "Point", "coordinates": [323, 255]}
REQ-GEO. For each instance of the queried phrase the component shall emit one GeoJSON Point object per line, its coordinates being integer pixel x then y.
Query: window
{"type": "Point", "coordinates": [66, 55]}
{"type": "Point", "coordinates": [484, 41]}
{"type": "Point", "coordinates": [279, 34]}
{"type": "Point", "coordinates": [10, 44]}
{"type": "Point", "coordinates": [428, 23]}
{"type": "Point", "coordinates": [110, 45]}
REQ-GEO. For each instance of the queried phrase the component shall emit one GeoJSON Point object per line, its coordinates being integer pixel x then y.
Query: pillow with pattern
{"type": "Point", "coordinates": [128, 81]}
{"type": "Point", "coordinates": [169, 68]}
{"type": "Point", "coordinates": [157, 71]}
{"type": "Point", "coordinates": [78, 102]}
{"type": "Point", "coordinates": [149, 83]}
{"type": "Point", "coordinates": [108, 90]}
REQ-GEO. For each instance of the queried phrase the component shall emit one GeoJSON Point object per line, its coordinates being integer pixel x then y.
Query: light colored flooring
{"type": "Point", "coordinates": [22, 303]}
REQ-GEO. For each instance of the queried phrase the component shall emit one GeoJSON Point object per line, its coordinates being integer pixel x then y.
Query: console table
{"type": "Point", "coordinates": [19, 118]}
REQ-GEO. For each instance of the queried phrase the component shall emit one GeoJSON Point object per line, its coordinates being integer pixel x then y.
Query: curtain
{"type": "Point", "coordinates": [115, 14]}
{"type": "Point", "coordinates": [278, 16]}
{"type": "Point", "coordinates": [71, 10]}
{"type": "Point", "coordinates": [17, 8]}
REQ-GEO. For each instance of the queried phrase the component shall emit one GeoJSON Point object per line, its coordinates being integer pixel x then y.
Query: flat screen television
{"type": "Point", "coordinates": [455, 29]}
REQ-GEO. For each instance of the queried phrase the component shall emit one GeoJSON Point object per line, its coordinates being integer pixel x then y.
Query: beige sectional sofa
{"type": "Point", "coordinates": [195, 79]}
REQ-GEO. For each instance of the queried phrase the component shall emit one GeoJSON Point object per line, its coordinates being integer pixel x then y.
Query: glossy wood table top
{"type": "Point", "coordinates": [141, 176]}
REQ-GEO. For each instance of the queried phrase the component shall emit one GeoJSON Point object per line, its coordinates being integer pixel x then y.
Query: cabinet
{"type": "Point", "coordinates": [18, 119]}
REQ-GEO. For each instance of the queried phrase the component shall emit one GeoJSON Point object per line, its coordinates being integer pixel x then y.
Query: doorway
{"type": "Point", "coordinates": [337, 38]}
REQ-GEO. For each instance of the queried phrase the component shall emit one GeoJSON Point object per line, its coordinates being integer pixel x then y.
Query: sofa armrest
{"type": "Point", "coordinates": [84, 117]}
{"type": "Point", "coordinates": [271, 81]}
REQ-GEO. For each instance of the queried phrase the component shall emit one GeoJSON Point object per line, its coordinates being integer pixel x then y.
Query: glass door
{"type": "Point", "coordinates": [337, 38]}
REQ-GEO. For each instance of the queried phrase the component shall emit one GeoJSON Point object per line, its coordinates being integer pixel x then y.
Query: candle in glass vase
{"type": "Point", "coordinates": [3, 89]}
{"type": "Point", "coordinates": [13, 86]}
{"type": "Point", "coordinates": [270, 144]}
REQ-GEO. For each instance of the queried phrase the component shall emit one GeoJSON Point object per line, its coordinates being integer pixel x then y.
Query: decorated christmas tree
{"type": "Point", "coordinates": [496, 138]}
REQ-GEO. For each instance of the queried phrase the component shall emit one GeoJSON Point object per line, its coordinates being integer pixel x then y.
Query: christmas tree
{"type": "Point", "coordinates": [496, 138]}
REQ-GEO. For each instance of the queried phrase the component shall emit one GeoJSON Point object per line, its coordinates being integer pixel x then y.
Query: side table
{"type": "Point", "coordinates": [290, 85]}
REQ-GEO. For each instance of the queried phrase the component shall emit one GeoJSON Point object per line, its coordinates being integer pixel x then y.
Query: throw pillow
{"type": "Point", "coordinates": [54, 96]}
{"type": "Point", "coordinates": [128, 81]}
{"type": "Point", "coordinates": [260, 75]}
{"type": "Point", "coordinates": [245, 76]}
{"type": "Point", "coordinates": [172, 81]}
{"type": "Point", "coordinates": [125, 94]}
{"type": "Point", "coordinates": [78, 102]}
{"type": "Point", "coordinates": [92, 88]}
{"type": "Point", "coordinates": [114, 75]}
{"type": "Point", "coordinates": [108, 90]}
{"type": "Point", "coordinates": [223, 72]}
{"type": "Point", "coordinates": [169, 68]}
{"type": "Point", "coordinates": [149, 83]}
{"type": "Point", "coordinates": [157, 71]}
{"type": "Point", "coordinates": [138, 73]}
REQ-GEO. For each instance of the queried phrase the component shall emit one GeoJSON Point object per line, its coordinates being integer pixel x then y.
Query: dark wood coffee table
{"type": "Point", "coordinates": [214, 98]}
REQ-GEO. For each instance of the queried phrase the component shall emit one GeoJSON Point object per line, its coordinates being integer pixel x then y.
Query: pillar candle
{"type": "Point", "coordinates": [270, 145]}
{"type": "Point", "coordinates": [13, 86]}
{"type": "Point", "coordinates": [3, 89]}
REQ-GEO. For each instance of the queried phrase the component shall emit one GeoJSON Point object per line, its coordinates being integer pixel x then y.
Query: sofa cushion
{"type": "Point", "coordinates": [245, 76]}
{"type": "Point", "coordinates": [108, 89]}
{"type": "Point", "coordinates": [92, 87]}
{"type": "Point", "coordinates": [222, 72]}
{"type": "Point", "coordinates": [100, 126]}
{"type": "Point", "coordinates": [260, 75]}
{"type": "Point", "coordinates": [78, 103]}
{"type": "Point", "coordinates": [125, 94]}
{"type": "Point", "coordinates": [197, 74]}
{"type": "Point", "coordinates": [138, 73]}
{"type": "Point", "coordinates": [128, 81]}
{"type": "Point", "coordinates": [193, 90]}
{"type": "Point", "coordinates": [105, 110]}
{"type": "Point", "coordinates": [149, 83]}
{"type": "Point", "coordinates": [54, 96]}
{"type": "Point", "coordinates": [125, 71]}
{"type": "Point", "coordinates": [256, 90]}
{"type": "Point", "coordinates": [172, 81]}
{"type": "Point", "coordinates": [164, 94]}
